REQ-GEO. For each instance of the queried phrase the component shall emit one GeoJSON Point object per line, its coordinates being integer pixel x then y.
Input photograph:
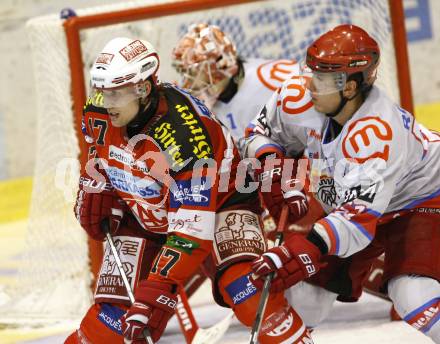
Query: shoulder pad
{"type": "Point", "coordinates": [181, 133]}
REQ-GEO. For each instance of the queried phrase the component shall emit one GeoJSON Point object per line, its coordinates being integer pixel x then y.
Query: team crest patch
{"type": "Point", "coordinates": [241, 289]}
{"type": "Point", "coordinates": [237, 234]}
{"type": "Point", "coordinates": [327, 191]}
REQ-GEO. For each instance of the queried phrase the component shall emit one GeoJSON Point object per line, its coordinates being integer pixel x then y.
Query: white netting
{"type": "Point", "coordinates": [54, 276]}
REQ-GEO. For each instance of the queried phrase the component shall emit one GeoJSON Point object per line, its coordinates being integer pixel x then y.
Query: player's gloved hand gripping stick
{"type": "Point", "coordinates": [265, 291]}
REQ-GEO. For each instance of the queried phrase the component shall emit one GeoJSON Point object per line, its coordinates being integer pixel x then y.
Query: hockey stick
{"type": "Point", "coordinates": [105, 227]}
{"type": "Point", "coordinates": [191, 330]}
{"type": "Point", "coordinates": [265, 292]}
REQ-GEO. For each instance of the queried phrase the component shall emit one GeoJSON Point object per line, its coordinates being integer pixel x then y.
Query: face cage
{"type": "Point", "coordinates": [198, 79]}
{"type": "Point", "coordinates": [117, 97]}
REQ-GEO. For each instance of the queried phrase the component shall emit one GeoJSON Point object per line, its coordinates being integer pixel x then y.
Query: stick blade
{"type": "Point", "coordinates": [213, 334]}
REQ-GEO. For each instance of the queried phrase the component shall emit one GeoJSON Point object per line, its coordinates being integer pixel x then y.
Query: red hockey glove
{"type": "Point", "coordinates": [293, 261]}
{"type": "Point", "coordinates": [95, 202]}
{"type": "Point", "coordinates": [273, 178]}
{"type": "Point", "coordinates": [154, 306]}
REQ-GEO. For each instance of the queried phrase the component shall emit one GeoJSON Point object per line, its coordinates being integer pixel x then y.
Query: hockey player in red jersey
{"type": "Point", "coordinates": [173, 171]}
{"type": "Point", "coordinates": [379, 168]}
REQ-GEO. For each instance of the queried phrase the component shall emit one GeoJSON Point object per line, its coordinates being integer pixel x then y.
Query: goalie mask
{"type": "Point", "coordinates": [119, 73]}
{"type": "Point", "coordinates": [206, 59]}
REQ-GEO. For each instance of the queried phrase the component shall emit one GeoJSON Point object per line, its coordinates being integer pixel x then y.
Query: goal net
{"type": "Point", "coordinates": [54, 278]}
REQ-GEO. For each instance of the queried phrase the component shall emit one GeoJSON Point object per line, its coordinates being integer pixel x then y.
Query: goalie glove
{"type": "Point", "coordinates": [96, 202]}
{"type": "Point", "coordinates": [153, 308]}
{"type": "Point", "coordinates": [293, 261]}
{"type": "Point", "coordinates": [278, 188]}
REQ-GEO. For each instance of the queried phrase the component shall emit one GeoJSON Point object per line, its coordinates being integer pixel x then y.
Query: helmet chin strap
{"type": "Point", "coordinates": [341, 105]}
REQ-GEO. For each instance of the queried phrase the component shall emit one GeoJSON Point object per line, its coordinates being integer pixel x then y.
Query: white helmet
{"type": "Point", "coordinates": [118, 74]}
{"type": "Point", "coordinates": [205, 56]}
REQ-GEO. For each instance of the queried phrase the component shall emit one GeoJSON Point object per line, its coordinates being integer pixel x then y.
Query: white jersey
{"type": "Point", "coordinates": [283, 124]}
{"type": "Point", "coordinates": [261, 79]}
{"type": "Point", "coordinates": [382, 161]}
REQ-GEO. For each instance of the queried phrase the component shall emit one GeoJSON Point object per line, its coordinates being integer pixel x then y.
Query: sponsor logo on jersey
{"type": "Point", "coordinates": [188, 223]}
{"type": "Point", "coordinates": [196, 223]}
{"type": "Point", "coordinates": [327, 191]}
{"type": "Point", "coordinates": [165, 134]}
{"type": "Point", "coordinates": [191, 192]}
{"type": "Point", "coordinates": [363, 193]}
{"type": "Point", "coordinates": [126, 182]}
{"type": "Point", "coordinates": [133, 50]}
{"type": "Point", "coordinates": [238, 233]}
{"type": "Point", "coordinates": [110, 316]}
{"type": "Point", "coordinates": [367, 139]}
{"type": "Point", "coordinates": [273, 73]}
{"type": "Point", "coordinates": [279, 322]}
{"type": "Point", "coordinates": [104, 58]}
{"type": "Point", "coordinates": [241, 289]}
{"type": "Point", "coordinates": [197, 102]}
{"type": "Point", "coordinates": [182, 244]}
{"type": "Point", "coordinates": [201, 147]}
{"type": "Point", "coordinates": [110, 284]}
{"type": "Point", "coordinates": [182, 136]}
{"type": "Point", "coordinates": [118, 154]}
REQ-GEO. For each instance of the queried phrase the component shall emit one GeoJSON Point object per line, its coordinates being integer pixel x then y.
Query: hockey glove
{"type": "Point", "coordinates": [293, 261]}
{"type": "Point", "coordinates": [95, 202]}
{"type": "Point", "coordinates": [154, 306]}
{"type": "Point", "coordinates": [278, 188]}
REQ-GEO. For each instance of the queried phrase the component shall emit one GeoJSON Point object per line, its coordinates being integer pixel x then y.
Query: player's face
{"type": "Point", "coordinates": [325, 91]}
{"type": "Point", "coordinates": [121, 116]}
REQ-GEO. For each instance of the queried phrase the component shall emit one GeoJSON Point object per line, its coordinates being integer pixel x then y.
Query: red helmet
{"type": "Point", "coordinates": [348, 49]}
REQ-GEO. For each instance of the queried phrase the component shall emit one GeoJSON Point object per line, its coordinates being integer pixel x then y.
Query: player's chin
{"type": "Point", "coordinates": [117, 122]}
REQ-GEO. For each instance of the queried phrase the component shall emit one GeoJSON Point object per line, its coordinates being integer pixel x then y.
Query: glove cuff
{"type": "Point", "coordinates": [274, 258]}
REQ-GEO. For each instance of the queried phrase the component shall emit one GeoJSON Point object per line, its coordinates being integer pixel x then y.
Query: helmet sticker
{"type": "Point", "coordinates": [104, 58]}
{"type": "Point", "coordinates": [133, 50]}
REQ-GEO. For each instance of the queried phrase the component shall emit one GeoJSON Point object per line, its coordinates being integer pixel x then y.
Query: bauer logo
{"type": "Point", "coordinates": [191, 192]}
{"type": "Point", "coordinates": [126, 182]}
{"type": "Point", "coordinates": [241, 289]}
{"type": "Point", "coordinates": [110, 317]}
{"type": "Point", "coordinates": [133, 50]}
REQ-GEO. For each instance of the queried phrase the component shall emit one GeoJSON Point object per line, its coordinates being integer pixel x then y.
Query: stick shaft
{"type": "Point", "coordinates": [266, 287]}
{"type": "Point", "coordinates": [115, 253]}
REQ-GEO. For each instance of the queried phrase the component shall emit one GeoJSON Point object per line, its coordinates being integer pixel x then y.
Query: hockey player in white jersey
{"type": "Point", "coordinates": [233, 89]}
{"type": "Point", "coordinates": [375, 171]}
